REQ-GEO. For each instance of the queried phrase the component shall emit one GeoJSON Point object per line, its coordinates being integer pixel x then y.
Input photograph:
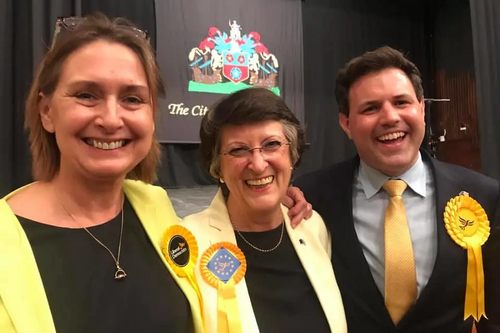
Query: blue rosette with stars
{"type": "Point", "coordinates": [223, 265]}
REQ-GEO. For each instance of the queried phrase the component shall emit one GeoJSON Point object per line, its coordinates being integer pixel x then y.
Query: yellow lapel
{"type": "Point", "coordinates": [22, 295]}
{"type": "Point", "coordinates": [21, 288]}
{"type": "Point", "coordinates": [209, 227]}
{"type": "Point", "coordinates": [219, 220]}
{"type": "Point", "coordinates": [317, 266]}
{"type": "Point", "coordinates": [156, 213]}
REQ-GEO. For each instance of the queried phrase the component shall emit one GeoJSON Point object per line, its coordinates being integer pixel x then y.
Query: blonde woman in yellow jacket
{"type": "Point", "coordinates": [80, 248]}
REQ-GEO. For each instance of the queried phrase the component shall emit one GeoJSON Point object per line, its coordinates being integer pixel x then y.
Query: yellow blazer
{"type": "Point", "coordinates": [213, 225]}
{"type": "Point", "coordinates": [23, 304]}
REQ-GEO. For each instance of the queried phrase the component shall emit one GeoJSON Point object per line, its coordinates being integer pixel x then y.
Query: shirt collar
{"type": "Point", "coordinates": [372, 180]}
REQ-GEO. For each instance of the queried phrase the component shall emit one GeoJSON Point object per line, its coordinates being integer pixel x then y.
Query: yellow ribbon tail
{"type": "Point", "coordinates": [474, 293]}
{"type": "Point", "coordinates": [228, 315]}
{"type": "Point", "coordinates": [190, 275]}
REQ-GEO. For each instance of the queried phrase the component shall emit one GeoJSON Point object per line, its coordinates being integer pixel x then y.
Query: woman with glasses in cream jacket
{"type": "Point", "coordinates": [254, 272]}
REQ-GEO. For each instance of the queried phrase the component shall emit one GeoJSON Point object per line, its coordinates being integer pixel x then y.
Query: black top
{"type": "Point", "coordinates": [282, 296]}
{"type": "Point", "coordinates": [78, 277]}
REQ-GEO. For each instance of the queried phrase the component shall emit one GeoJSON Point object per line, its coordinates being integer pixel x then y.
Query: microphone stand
{"type": "Point", "coordinates": [431, 141]}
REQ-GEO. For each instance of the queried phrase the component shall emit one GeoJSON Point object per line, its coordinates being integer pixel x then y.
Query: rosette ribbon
{"type": "Point", "coordinates": [467, 224]}
{"type": "Point", "coordinates": [180, 249]}
{"type": "Point", "coordinates": [223, 265]}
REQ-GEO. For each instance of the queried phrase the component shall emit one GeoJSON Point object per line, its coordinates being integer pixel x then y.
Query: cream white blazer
{"type": "Point", "coordinates": [314, 251]}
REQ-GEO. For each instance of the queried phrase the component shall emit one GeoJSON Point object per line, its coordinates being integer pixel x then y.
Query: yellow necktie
{"type": "Point", "coordinates": [400, 276]}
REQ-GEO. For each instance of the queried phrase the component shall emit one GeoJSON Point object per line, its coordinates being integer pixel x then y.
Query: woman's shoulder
{"type": "Point", "coordinates": [140, 192]}
{"type": "Point", "coordinates": [28, 202]}
{"type": "Point", "coordinates": [317, 221]}
{"type": "Point", "coordinates": [24, 200]}
{"type": "Point", "coordinates": [317, 218]}
{"type": "Point", "coordinates": [141, 188]}
{"type": "Point", "coordinates": [143, 195]}
{"type": "Point", "coordinates": [314, 224]}
{"type": "Point", "coordinates": [197, 220]}
{"type": "Point", "coordinates": [215, 211]}
{"type": "Point", "coordinates": [22, 191]}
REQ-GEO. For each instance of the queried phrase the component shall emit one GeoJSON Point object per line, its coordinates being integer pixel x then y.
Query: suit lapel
{"type": "Point", "coordinates": [449, 255]}
{"type": "Point", "coordinates": [346, 248]}
{"type": "Point", "coordinates": [21, 287]}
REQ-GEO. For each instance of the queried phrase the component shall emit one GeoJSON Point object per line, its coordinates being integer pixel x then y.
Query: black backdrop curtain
{"type": "Point", "coordinates": [211, 48]}
{"type": "Point", "coordinates": [26, 27]}
{"type": "Point", "coordinates": [333, 32]}
{"type": "Point", "coordinates": [180, 164]}
{"type": "Point", "coordinates": [336, 31]}
{"type": "Point", "coordinates": [15, 78]}
{"type": "Point", "coordinates": [485, 18]}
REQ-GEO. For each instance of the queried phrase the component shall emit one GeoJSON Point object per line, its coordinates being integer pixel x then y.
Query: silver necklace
{"type": "Point", "coordinates": [120, 273]}
{"type": "Point", "coordinates": [255, 247]}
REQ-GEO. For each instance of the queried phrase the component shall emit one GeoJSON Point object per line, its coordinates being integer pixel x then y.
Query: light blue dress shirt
{"type": "Point", "coordinates": [369, 203]}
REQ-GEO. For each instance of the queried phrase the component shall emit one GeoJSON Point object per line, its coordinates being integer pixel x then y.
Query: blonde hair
{"type": "Point", "coordinates": [43, 146]}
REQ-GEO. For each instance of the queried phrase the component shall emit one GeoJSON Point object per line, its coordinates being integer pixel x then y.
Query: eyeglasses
{"type": "Point", "coordinates": [267, 149]}
{"type": "Point", "coordinates": [71, 22]}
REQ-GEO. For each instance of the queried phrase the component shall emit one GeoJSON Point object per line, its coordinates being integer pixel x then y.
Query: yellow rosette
{"type": "Point", "coordinates": [468, 226]}
{"type": "Point", "coordinates": [223, 266]}
{"type": "Point", "coordinates": [180, 249]}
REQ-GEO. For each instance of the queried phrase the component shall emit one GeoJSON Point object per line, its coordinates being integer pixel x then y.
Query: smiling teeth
{"type": "Point", "coordinates": [392, 136]}
{"type": "Point", "coordinates": [260, 182]}
{"type": "Point", "coordinates": [106, 145]}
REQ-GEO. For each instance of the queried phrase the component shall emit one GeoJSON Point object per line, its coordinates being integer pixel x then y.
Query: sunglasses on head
{"type": "Point", "coordinates": [65, 24]}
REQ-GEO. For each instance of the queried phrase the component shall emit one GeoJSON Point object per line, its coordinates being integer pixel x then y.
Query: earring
{"type": "Point", "coordinates": [291, 168]}
{"type": "Point", "coordinates": [221, 180]}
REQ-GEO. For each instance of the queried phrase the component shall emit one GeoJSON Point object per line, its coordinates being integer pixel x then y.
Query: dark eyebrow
{"type": "Point", "coordinates": [367, 103]}
{"type": "Point", "coordinates": [407, 96]}
{"type": "Point", "coordinates": [84, 83]}
{"type": "Point", "coordinates": [136, 88]}
{"type": "Point", "coordinates": [374, 102]}
{"type": "Point", "coordinates": [131, 88]}
{"type": "Point", "coordinates": [275, 137]}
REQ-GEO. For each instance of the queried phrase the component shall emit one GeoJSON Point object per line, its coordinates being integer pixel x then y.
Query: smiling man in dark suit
{"type": "Point", "coordinates": [400, 263]}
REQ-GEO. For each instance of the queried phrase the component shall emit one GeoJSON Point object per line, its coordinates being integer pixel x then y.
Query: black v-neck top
{"type": "Point", "coordinates": [283, 298]}
{"type": "Point", "coordinates": [78, 277]}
